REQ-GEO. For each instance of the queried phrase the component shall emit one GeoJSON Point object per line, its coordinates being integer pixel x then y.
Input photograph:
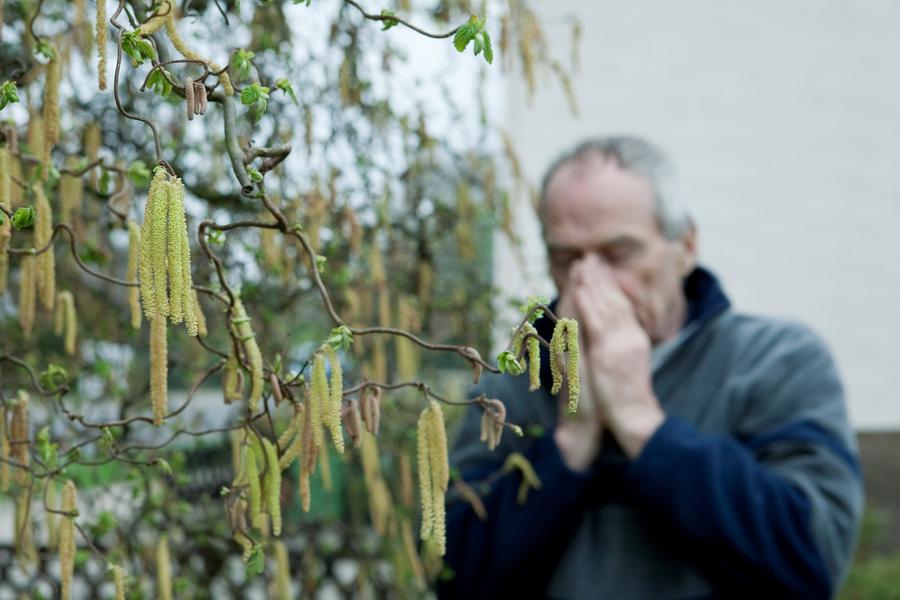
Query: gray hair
{"type": "Point", "coordinates": [642, 158]}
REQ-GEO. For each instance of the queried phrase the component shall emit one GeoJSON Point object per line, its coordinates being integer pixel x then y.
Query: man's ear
{"type": "Point", "coordinates": [687, 250]}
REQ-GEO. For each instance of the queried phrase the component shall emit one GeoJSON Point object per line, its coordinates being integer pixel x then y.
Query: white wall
{"type": "Point", "coordinates": [783, 118]}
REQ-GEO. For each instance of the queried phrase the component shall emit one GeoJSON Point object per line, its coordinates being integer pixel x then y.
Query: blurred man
{"type": "Point", "coordinates": [711, 454]}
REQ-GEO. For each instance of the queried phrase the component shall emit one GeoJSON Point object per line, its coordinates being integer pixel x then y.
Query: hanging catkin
{"type": "Point", "coordinates": [45, 275]}
{"type": "Point", "coordinates": [71, 192]}
{"type": "Point", "coordinates": [93, 139]}
{"type": "Point", "coordinates": [334, 400]}
{"type": "Point", "coordinates": [163, 570]}
{"type": "Point", "coordinates": [198, 314]}
{"type": "Point", "coordinates": [134, 248]}
{"type": "Point", "coordinates": [165, 264]}
{"type": "Point", "coordinates": [434, 473]}
{"type": "Point", "coordinates": [273, 486]}
{"type": "Point", "coordinates": [319, 398]}
{"type": "Point", "coordinates": [5, 226]}
{"type": "Point", "coordinates": [51, 109]}
{"type": "Point", "coordinates": [27, 293]}
{"type": "Point", "coordinates": [186, 52]}
{"type": "Point", "coordinates": [102, 34]}
{"type": "Point", "coordinates": [65, 320]}
{"type": "Point", "coordinates": [244, 333]}
{"type": "Point", "coordinates": [119, 577]}
{"type": "Point", "coordinates": [67, 538]}
{"type": "Point", "coordinates": [282, 573]}
{"type": "Point", "coordinates": [5, 450]}
{"type": "Point", "coordinates": [565, 339]}
{"type": "Point", "coordinates": [159, 369]}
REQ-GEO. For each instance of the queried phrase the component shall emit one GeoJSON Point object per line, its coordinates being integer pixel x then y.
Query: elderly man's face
{"type": "Point", "coordinates": [594, 206]}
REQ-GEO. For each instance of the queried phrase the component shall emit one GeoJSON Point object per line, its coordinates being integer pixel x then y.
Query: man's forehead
{"type": "Point", "coordinates": [597, 183]}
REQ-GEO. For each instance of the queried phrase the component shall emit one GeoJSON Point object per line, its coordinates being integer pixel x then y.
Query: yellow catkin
{"type": "Point", "coordinates": [565, 339]}
{"type": "Point", "coordinates": [273, 486]}
{"type": "Point", "coordinates": [179, 259]}
{"type": "Point", "coordinates": [24, 536]}
{"type": "Point", "coordinates": [407, 351]}
{"type": "Point", "coordinates": [119, 579]}
{"type": "Point", "coordinates": [18, 436]}
{"type": "Point", "coordinates": [186, 52]}
{"type": "Point", "coordinates": [282, 573]}
{"type": "Point", "coordinates": [319, 398]}
{"type": "Point", "coordinates": [434, 474]}
{"type": "Point", "coordinates": [198, 315]}
{"type": "Point", "coordinates": [5, 226]}
{"type": "Point", "coordinates": [308, 455]}
{"type": "Point", "coordinates": [245, 335]}
{"type": "Point", "coordinates": [406, 481]}
{"type": "Point", "coordinates": [534, 363]}
{"type": "Point", "coordinates": [292, 450]}
{"type": "Point", "coordinates": [67, 538]}
{"type": "Point", "coordinates": [163, 570]}
{"type": "Point", "coordinates": [17, 196]}
{"type": "Point", "coordinates": [412, 555]}
{"type": "Point", "coordinates": [71, 192]}
{"type": "Point", "coordinates": [65, 320]}
{"type": "Point", "coordinates": [27, 293]}
{"type": "Point", "coordinates": [232, 379]}
{"type": "Point", "coordinates": [159, 370]}
{"type": "Point", "coordinates": [51, 108]}
{"type": "Point", "coordinates": [34, 136]}
{"type": "Point", "coordinates": [335, 400]}
{"type": "Point", "coordinates": [101, 32]}
{"type": "Point", "coordinates": [253, 487]}
{"type": "Point", "coordinates": [5, 450]}
{"type": "Point", "coordinates": [134, 248]}
{"type": "Point", "coordinates": [45, 275]}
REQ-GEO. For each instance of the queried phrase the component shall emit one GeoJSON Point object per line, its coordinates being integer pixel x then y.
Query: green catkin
{"type": "Point", "coordinates": [245, 334]}
{"type": "Point", "coordinates": [152, 265]}
{"type": "Point", "coordinates": [273, 486]}
{"type": "Point", "coordinates": [67, 539]}
{"type": "Point", "coordinates": [335, 400]}
{"type": "Point", "coordinates": [320, 398]}
{"type": "Point", "coordinates": [534, 363]}
{"type": "Point", "coordinates": [159, 370]}
{"type": "Point", "coordinates": [572, 367]}
{"type": "Point", "coordinates": [232, 378]}
{"type": "Point", "coordinates": [254, 491]}
{"type": "Point", "coordinates": [565, 339]}
{"type": "Point", "coordinates": [557, 348]}
{"type": "Point", "coordinates": [6, 203]}
{"type": "Point", "coordinates": [134, 247]}
{"type": "Point", "coordinates": [46, 262]}
{"type": "Point", "coordinates": [198, 314]}
{"type": "Point", "coordinates": [163, 570]}
{"type": "Point", "coordinates": [426, 475]}
{"type": "Point", "coordinates": [440, 473]}
{"type": "Point", "coordinates": [51, 519]}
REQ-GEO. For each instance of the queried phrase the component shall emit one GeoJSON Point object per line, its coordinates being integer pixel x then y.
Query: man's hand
{"type": "Point", "coordinates": [617, 356]}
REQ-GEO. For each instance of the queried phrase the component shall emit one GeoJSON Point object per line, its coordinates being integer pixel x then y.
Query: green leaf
{"type": "Point", "coordinates": [163, 465]}
{"type": "Point", "coordinates": [158, 83]}
{"type": "Point", "coordinates": [216, 237]}
{"type": "Point", "coordinates": [139, 174]}
{"type": "Point", "coordinates": [467, 33]}
{"type": "Point", "coordinates": [53, 377]}
{"type": "Point", "coordinates": [488, 50]}
{"type": "Point", "coordinates": [23, 218]}
{"type": "Point", "coordinates": [320, 262]}
{"type": "Point", "coordinates": [8, 93]}
{"type": "Point", "coordinates": [285, 86]}
{"type": "Point", "coordinates": [340, 338]}
{"type": "Point", "coordinates": [45, 49]}
{"type": "Point", "coordinates": [256, 564]}
{"type": "Point", "coordinates": [106, 522]}
{"type": "Point", "coordinates": [508, 363]}
{"type": "Point", "coordinates": [241, 65]}
{"type": "Point", "coordinates": [137, 48]}
{"type": "Point", "coordinates": [388, 23]}
{"type": "Point", "coordinates": [254, 174]}
{"type": "Point", "coordinates": [46, 449]}
{"type": "Point", "coordinates": [256, 94]}
{"type": "Point", "coordinates": [103, 182]}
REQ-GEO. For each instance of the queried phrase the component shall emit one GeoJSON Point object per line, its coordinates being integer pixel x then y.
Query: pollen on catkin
{"type": "Point", "coordinates": [253, 488]}
{"type": "Point", "coordinates": [273, 486]}
{"type": "Point", "coordinates": [45, 275]}
{"type": "Point", "coordinates": [565, 339]}
{"type": "Point", "coordinates": [319, 398]}
{"type": "Point", "coordinates": [67, 538]}
{"type": "Point", "coordinates": [198, 314]}
{"type": "Point", "coordinates": [163, 569]}
{"type": "Point", "coordinates": [101, 31]}
{"type": "Point", "coordinates": [245, 335]}
{"type": "Point", "coordinates": [424, 465]}
{"type": "Point", "coordinates": [159, 369]}
{"type": "Point", "coordinates": [134, 249]}
{"type": "Point", "coordinates": [557, 348]}
{"type": "Point", "coordinates": [27, 293]}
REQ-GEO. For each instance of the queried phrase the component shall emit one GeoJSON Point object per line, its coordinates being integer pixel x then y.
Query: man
{"type": "Point", "coordinates": [710, 456]}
